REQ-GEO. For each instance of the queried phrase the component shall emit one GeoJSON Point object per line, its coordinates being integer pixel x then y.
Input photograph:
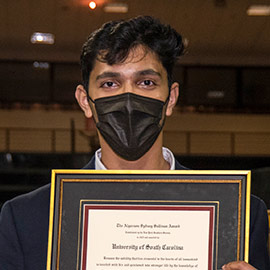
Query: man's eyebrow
{"type": "Point", "coordinates": [148, 72]}
{"type": "Point", "coordinates": [107, 74]}
{"type": "Point", "coordinates": [110, 74]}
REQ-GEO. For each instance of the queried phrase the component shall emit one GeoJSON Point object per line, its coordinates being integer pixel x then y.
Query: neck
{"type": "Point", "coordinates": [152, 160]}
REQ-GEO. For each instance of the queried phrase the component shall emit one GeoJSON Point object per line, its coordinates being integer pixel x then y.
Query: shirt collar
{"type": "Point", "coordinates": [167, 154]}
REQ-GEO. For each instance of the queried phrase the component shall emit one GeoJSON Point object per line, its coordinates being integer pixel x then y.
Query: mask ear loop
{"type": "Point", "coordinates": [91, 106]}
{"type": "Point", "coordinates": [88, 97]}
{"type": "Point", "coordinates": [162, 120]}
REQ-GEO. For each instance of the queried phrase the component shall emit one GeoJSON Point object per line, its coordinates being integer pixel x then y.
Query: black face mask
{"type": "Point", "coordinates": [130, 123]}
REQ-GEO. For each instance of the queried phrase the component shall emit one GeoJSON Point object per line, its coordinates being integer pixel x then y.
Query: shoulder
{"type": "Point", "coordinates": [179, 166]}
{"type": "Point", "coordinates": [258, 212]}
{"type": "Point", "coordinates": [28, 207]}
{"type": "Point", "coordinates": [258, 255]}
{"type": "Point", "coordinates": [29, 211]}
{"type": "Point", "coordinates": [257, 202]}
{"type": "Point", "coordinates": [24, 229]}
{"type": "Point", "coordinates": [38, 197]}
{"type": "Point", "coordinates": [257, 207]}
{"type": "Point", "coordinates": [90, 164]}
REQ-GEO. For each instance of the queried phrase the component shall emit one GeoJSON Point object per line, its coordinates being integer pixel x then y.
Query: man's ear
{"type": "Point", "coordinates": [82, 99]}
{"type": "Point", "coordinates": [174, 93]}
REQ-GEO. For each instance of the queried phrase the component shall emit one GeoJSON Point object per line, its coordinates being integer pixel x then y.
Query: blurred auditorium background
{"type": "Point", "coordinates": [222, 120]}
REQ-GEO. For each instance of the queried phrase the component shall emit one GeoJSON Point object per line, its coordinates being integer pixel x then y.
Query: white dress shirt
{"type": "Point", "coordinates": [167, 154]}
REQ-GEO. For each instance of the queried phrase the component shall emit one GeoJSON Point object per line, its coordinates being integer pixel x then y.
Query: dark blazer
{"type": "Point", "coordinates": [24, 225]}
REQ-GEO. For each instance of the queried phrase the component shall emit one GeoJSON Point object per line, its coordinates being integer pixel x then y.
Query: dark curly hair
{"type": "Point", "coordinates": [113, 41]}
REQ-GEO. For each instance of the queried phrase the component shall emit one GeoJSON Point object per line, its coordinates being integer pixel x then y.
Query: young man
{"type": "Point", "coordinates": [128, 90]}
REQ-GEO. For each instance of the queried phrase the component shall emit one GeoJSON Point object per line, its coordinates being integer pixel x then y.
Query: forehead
{"type": "Point", "coordinates": [139, 58]}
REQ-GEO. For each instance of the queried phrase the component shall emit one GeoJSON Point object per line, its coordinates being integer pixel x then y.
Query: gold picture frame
{"type": "Point", "coordinates": [228, 192]}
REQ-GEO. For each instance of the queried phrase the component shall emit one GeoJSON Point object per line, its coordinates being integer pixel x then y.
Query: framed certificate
{"type": "Point", "coordinates": [148, 219]}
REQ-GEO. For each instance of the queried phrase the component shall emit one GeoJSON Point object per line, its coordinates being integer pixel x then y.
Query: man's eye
{"type": "Point", "coordinates": [108, 84]}
{"type": "Point", "coordinates": [147, 83]}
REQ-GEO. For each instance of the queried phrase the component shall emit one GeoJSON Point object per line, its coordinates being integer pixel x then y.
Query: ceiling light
{"type": "Point", "coordinates": [116, 8]}
{"type": "Point", "coordinates": [258, 10]}
{"type": "Point", "coordinates": [42, 38]}
{"type": "Point", "coordinates": [92, 5]}
{"type": "Point", "coordinates": [41, 65]}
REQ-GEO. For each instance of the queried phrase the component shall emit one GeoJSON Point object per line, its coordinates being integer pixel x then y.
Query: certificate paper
{"type": "Point", "coordinates": [147, 237]}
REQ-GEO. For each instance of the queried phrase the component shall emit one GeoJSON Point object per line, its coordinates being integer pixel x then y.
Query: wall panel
{"type": "Point", "coordinates": [252, 144]}
{"type": "Point", "coordinates": [3, 143]}
{"type": "Point", "coordinates": [30, 140]}
{"type": "Point", "coordinates": [176, 142]}
{"type": "Point", "coordinates": [210, 143]}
